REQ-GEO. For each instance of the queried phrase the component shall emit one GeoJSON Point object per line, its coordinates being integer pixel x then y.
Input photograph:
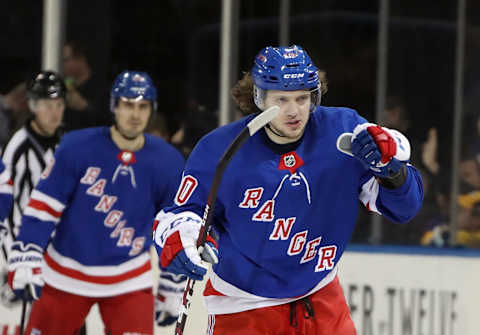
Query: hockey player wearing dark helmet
{"type": "Point", "coordinates": [46, 100]}
{"type": "Point", "coordinates": [31, 147]}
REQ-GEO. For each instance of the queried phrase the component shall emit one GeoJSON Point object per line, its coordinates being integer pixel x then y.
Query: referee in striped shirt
{"type": "Point", "coordinates": [31, 148]}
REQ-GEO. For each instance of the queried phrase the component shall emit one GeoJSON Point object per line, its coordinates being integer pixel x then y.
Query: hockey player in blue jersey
{"type": "Point", "coordinates": [99, 197]}
{"type": "Point", "coordinates": [6, 199]}
{"type": "Point", "coordinates": [287, 204]}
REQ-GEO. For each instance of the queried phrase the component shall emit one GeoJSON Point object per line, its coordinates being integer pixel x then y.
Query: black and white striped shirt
{"type": "Point", "coordinates": [26, 155]}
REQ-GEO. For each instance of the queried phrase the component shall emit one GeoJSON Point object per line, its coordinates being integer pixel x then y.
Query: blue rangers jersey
{"type": "Point", "coordinates": [284, 220]}
{"type": "Point", "coordinates": [100, 202]}
{"type": "Point", "coordinates": [6, 191]}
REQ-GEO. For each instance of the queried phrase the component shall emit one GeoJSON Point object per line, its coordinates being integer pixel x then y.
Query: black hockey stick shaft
{"type": "Point", "coordinates": [27, 295]}
{"type": "Point", "coordinates": [252, 127]}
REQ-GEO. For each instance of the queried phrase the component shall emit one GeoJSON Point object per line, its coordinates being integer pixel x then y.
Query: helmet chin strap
{"type": "Point", "coordinates": [273, 131]}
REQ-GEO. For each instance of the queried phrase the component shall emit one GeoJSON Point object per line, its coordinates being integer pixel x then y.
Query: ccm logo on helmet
{"type": "Point", "coordinates": [293, 75]}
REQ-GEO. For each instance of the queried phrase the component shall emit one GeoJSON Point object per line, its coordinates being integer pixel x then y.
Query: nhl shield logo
{"type": "Point", "coordinates": [289, 161]}
{"type": "Point", "coordinates": [126, 156]}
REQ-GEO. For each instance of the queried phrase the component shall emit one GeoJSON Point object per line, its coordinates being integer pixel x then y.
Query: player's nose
{"type": "Point", "coordinates": [291, 110]}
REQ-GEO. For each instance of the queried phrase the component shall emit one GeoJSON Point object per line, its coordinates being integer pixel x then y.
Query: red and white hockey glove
{"type": "Point", "coordinates": [169, 297]}
{"type": "Point", "coordinates": [384, 151]}
{"type": "Point", "coordinates": [175, 237]}
{"type": "Point", "coordinates": [25, 270]}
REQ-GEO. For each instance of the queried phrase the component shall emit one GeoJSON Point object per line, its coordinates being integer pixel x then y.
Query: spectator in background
{"type": "Point", "coordinates": [158, 127]}
{"type": "Point", "coordinates": [13, 111]}
{"type": "Point", "coordinates": [469, 203]}
{"type": "Point", "coordinates": [84, 100]}
{"type": "Point", "coordinates": [468, 234]}
{"type": "Point", "coordinates": [437, 232]}
{"type": "Point", "coordinates": [198, 122]}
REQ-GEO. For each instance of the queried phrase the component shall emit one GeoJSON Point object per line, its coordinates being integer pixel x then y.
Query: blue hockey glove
{"type": "Point", "coordinates": [169, 297]}
{"type": "Point", "coordinates": [383, 151]}
{"type": "Point", "coordinates": [175, 237]}
{"type": "Point", "coordinates": [25, 270]}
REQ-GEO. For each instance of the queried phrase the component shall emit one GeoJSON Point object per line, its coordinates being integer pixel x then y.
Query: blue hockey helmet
{"type": "Point", "coordinates": [284, 69]}
{"type": "Point", "coordinates": [133, 85]}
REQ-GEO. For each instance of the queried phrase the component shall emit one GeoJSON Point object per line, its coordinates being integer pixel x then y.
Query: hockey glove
{"type": "Point", "coordinates": [169, 297]}
{"type": "Point", "coordinates": [384, 151]}
{"type": "Point", "coordinates": [25, 270]}
{"type": "Point", "coordinates": [175, 237]}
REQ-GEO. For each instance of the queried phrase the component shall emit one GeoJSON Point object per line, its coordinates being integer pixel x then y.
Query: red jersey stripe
{"type": "Point", "coordinates": [209, 290]}
{"type": "Point", "coordinates": [41, 206]}
{"type": "Point", "coordinates": [96, 279]}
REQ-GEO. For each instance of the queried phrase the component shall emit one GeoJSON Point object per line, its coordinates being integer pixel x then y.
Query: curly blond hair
{"type": "Point", "coordinates": [242, 92]}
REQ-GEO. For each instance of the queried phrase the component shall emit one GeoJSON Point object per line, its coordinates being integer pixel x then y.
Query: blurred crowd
{"type": "Point", "coordinates": [86, 105]}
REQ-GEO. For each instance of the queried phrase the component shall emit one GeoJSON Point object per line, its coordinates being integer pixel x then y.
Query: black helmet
{"type": "Point", "coordinates": [46, 85]}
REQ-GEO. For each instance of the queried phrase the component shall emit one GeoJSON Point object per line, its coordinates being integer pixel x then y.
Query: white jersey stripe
{"type": "Point", "coordinates": [80, 287]}
{"type": "Point", "coordinates": [41, 215]}
{"type": "Point", "coordinates": [138, 281]}
{"type": "Point", "coordinates": [369, 194]}
{"type": "Point", "coordinates": [112, 270]}
{"type": "Point", "coordinates": [235, 300]}
{"type": "Point", "coordinates": [6, 188]}
{"type": "Point", "coordinates": [51, 202]}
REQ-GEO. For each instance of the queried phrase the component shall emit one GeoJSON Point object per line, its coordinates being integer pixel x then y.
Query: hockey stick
{"type": "Point", "coordinates": [27, 295]}
{"type": "Point", "coordinates": [252, 127]}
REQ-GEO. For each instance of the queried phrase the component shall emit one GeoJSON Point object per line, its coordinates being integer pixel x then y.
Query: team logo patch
{"type": "Point", "coordinates": [126, 157]}
{"type": "Point", "coordinates": [290, 161]}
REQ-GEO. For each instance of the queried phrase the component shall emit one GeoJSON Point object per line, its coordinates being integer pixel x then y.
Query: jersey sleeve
{"type": "Point", "coordinates": [50, 197]}
{"type": "Point", "coordinates": [168, 181]}
{"type": "Point", "coordinates": [192, 193]}
{"type": "Point", "coordinates": [6, 192]}
{"type": "Point", "coordinates": [399, 205]}
{"type": "Point", "coordinates": [403, 203]}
